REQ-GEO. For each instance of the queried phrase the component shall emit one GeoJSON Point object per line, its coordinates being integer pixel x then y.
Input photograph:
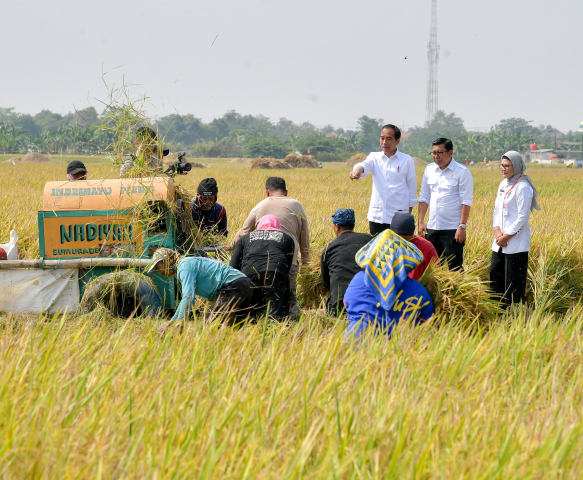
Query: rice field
{"type": "Point", "coordinates": [89, 396]}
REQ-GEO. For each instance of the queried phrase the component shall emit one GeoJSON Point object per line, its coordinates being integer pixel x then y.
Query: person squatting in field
{"type": "Point", "coordinates": [382, 294]}
{"type": "Point", "coordinates": [337, 265]}
{"type": "Point", "coordinates": [266, 257]}
{"type": "Point", "coordinates": [207, 214]}
{"type": "Point", "coordinates": [294, 222]}
{"type": "Point", "coordinates": [404, 226]}
{"type": "Point", "coordinates": [447, 188]}
{"type": "Point", "coordinates": [228, 288]}
{"type": "Point", "coordinates": [394, 184]}
{"type": "Point", "coordinates": [515, 200]}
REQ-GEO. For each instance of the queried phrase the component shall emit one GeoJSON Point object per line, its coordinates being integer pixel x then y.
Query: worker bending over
{"type": "Point", "coordinates": [229, 289]}
{"type": "Point", "coordinates": [266, 256]}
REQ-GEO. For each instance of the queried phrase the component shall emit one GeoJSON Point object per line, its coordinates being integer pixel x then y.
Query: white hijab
{"type": "Point", "coordinates": [519, 168]}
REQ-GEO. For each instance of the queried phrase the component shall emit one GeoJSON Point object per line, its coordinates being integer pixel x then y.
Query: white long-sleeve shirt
{"type": "Point", "coordinates": [511, 214]}
{"type": "Point", "coordinates": [394, 185]}
{"type": "Point", "coordinates": [445, 191]}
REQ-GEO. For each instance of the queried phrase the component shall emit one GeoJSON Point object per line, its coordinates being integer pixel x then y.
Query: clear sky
{"type": "Point", "coordinates": [308, 60]}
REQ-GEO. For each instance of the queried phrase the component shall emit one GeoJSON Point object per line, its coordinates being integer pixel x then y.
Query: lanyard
{"type": "Point", "coordinates": [506, 194]}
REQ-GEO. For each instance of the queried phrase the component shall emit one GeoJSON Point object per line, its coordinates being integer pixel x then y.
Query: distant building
{"type": "Point", "coordinates": [332, 135]}
{"type": "Point", "coordinates": [552, 132]}
{"type": "Point", "coordinates": [542, 156]}
{"type": "Point", "coordinates": [581, 127]}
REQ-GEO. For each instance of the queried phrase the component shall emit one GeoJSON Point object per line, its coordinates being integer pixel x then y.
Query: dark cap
{"type": "Point", "coordinates": [403, 223]}
{"type": "Point", "coordinates": [208, 186]}
{"type": "Point", "coordinates": [76, 167]}
{"type": "Point", "coordinates": [165, 151]}
{"type": "Point", "coordinates": [344, 217]}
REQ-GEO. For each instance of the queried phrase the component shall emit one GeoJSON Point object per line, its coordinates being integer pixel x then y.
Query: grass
{"type": "Point", "coordinates": [94, 396]}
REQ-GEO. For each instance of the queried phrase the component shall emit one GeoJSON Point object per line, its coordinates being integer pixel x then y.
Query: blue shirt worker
{"type": "Point", "coordinates": [228, 288]}
{"type": "Point", "coordinates": [447, 188]}
{"type": "Point", "coordinates": [382, 295]}
{"type": "Point", "coordinates": [209, 215]}
{"type": "Point", "coordinates": [394, 184]}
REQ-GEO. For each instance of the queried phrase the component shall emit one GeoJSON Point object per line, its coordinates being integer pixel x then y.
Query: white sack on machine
{"type": "Point", "coordinates": [36, 290]}
{"type": "Point", "coordinates": [11, 248]}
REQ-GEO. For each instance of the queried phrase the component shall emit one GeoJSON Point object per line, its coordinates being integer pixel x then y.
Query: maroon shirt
{"type": "Point", "coordinates": [429, 256]}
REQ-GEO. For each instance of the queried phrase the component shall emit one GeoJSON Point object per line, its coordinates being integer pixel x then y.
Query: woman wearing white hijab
{"type": "Point", "coordinates": [516, 199]}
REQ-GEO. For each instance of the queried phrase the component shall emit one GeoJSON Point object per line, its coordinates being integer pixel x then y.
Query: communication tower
{"type": "Point", "coordinates": [432, 60]}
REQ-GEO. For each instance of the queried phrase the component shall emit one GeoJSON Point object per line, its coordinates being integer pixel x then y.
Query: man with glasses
{"type": "Point", "coordinates": [447, 189]}
{"type": "Point", "coordinates": [394, 184]}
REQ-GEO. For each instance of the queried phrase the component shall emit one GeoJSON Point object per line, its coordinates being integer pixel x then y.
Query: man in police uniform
{"type": "Point", "coordinates": [447, 189]}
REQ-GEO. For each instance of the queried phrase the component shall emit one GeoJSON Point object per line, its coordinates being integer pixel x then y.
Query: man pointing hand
{"type": "Point", "coordinates": [394, 185]}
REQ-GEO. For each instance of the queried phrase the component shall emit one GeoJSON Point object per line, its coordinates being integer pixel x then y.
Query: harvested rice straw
{"type": "Point", "coordinates": [311, 293]}
{"type": "Point", "coordinates": [352, 161]}
{"type": "Point", "coordinates": [463, 294]}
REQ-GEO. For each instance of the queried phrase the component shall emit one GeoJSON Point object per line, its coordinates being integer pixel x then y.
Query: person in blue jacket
{"type": "Point", "coordinates": [382, 295]}
{"type": "Point", "coordinates": [228, 288]}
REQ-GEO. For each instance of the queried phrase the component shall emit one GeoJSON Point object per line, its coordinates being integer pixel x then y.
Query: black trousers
{"type": "Point", "coordinates": [447, 248]}
{"type": "Point", "coordinates": [270, 289]}
{"type": "Point", "coordinates": [508, 273]}
{"type": "Point", "coordinates": [232, 301]}
{"type": "Point", "coordinates": [376, 228]}
{"type": "Point", "coordinates": [335, 309]}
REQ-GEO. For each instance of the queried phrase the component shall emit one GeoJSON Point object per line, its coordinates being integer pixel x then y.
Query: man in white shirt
{"type": "Point", "coordinates": [394, 185]}
{"type": "Point", "coordinates": [447, 189]}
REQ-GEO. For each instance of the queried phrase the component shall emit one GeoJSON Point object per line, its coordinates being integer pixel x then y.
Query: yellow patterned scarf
{"type": "Point", "coordinates": [386, 260]}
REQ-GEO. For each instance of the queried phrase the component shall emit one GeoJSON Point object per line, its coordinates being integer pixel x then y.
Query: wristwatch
{"type": "Point", "coordinates": [463, 225]}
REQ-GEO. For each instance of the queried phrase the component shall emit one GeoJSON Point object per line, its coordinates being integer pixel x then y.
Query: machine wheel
{"type": "Point", "coordinates": [124, 294]}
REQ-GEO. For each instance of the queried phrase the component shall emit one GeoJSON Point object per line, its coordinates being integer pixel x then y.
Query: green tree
{"type": "Point", "coordinates": [370, 132]}
{"type": "Point", "coordinates": [449, 124]}
{"type": "Point", "coordinates": [48, 120]}
{"type": "Point", "coordinates": [265, 147]}
{"type": "Point", "coordinates": [12, 139]}
{"type": "Point", "coordinates": [314, 143]}
{"type": "Point", "coordinates": [326, 129]}
{"type": "Point", "coordinates": [182, 129]}
{"type": "Point", "coordinates": [516, 124]}
{"type": "Point", "coordinates": [348, 142]}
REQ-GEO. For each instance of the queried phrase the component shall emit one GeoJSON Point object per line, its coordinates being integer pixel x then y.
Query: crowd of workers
{"type": "Point", "coordinates": [372, 278]}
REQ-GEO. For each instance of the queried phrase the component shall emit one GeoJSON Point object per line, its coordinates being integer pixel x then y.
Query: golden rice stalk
{"type": "Point", "coordinates": [116, 293]}
{"type": "Point", "coordinates": [311, 292]}
{"type": "Point", "coordinates": [458, 294]}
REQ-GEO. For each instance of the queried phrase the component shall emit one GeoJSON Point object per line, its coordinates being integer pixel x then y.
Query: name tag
{"type": "Point", "coordinates": [505, 209]}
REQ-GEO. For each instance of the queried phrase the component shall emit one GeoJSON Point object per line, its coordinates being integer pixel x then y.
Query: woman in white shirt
{"type": "Point", "coordinates": [515, 200]}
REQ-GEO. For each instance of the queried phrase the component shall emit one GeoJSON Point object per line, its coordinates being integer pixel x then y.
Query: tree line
{"type": "Point", "coordinates": [234, 134]}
